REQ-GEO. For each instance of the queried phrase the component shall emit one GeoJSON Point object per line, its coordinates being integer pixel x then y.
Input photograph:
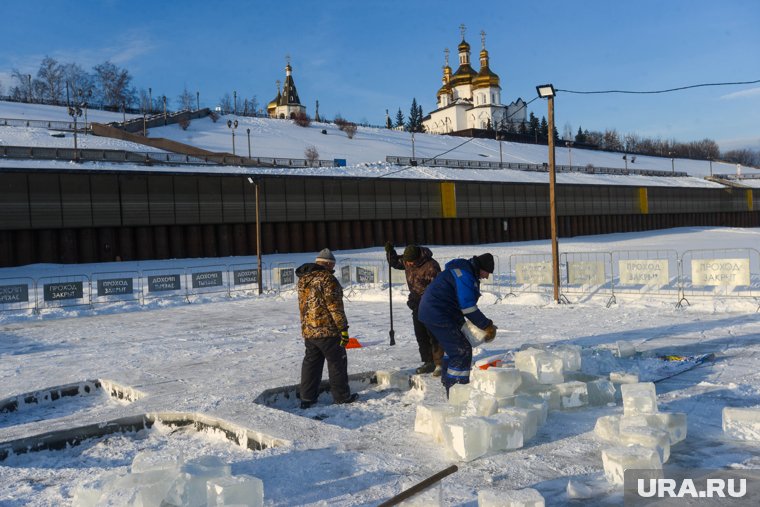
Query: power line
{"type": "Point", "coordinates": [660, 91]}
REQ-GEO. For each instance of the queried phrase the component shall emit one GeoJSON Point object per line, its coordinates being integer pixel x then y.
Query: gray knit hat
{"type": "Point", "coordinates": [326, 255]}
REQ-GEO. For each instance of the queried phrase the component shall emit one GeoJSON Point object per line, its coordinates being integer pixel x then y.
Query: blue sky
{"type": "Point", "coordinates": [359, 58]}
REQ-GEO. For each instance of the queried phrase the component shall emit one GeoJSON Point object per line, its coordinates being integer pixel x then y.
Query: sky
{"type": "Point", "coordinates": [359, 59]}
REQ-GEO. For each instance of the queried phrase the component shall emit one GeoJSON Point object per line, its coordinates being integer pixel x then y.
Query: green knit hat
{"type": "Point", "coordinates": [411, 253]}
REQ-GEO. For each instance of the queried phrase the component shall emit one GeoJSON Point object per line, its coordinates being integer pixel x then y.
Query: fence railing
{"type": "Point", "coordinates": [709, 273]}
{"type": "Point", "coordinates": [521, 166]}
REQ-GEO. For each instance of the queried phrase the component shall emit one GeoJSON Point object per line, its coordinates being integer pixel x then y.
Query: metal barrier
{"type": "Point", "coordinates": [586, 274]}
{"type": "Point", "coordinates": [731, 272]}
{"type": "Point", "coordinates": [480, 164]}
{"type": "Point", "coordinates": [44, 124]}
{"type": "Point", "coordinates": [284, 277]}
{"type": "Point", "coordinates": [60, 291]}
{"type": "Point", "coordinates": [641, 272]}
{"type": "Point", "coordinates": [530, 273]}
{"type": "Point", "coordinates": [245, 277]}
{"type": "Point", "coordinates": [163, 283]}
{"type": "Point", "coordinates": [15, 294]}
{"type": "Point", "coordinates": [211, 279]}
{"type": "Point", "coordinates": [115, 286]}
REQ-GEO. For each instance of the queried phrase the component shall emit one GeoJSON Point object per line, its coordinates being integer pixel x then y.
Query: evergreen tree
{"type": "Point", "coordinates": [533, 126]}
{"type": "Point", "coordinates": [399, 119]}
{"type": "Point", "coordinates": [523, 128]}
{"type": "Point", "coordinates": [388, 122]}
{"type": "Point", "coordinates": [580, 137]}
{"type": "Point", "coordinates": [415, 121]}
{"type": "Point", "coordinates": [544, 128]}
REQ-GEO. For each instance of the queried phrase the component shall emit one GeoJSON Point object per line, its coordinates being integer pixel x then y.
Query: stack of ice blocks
{"type": "Point", "coordinates": [544, 374]}
{"type": "Point", "coordinates": [642, 427]}
{"type": "Point", "coordinates": [165, 478]}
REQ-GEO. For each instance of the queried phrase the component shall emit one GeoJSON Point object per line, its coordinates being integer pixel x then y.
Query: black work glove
{"type": "Point", "coordinates": [490, 333]}
{"type": "Point", "coordinates": [344, 338]}
{"type": "Point", "coordinates": [388, 247]}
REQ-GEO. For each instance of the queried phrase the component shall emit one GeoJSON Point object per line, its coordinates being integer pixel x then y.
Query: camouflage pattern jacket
{"type": "Point", "coordinates": [419, 275]}
{"type": "Point", "coordinates": [320, 301]}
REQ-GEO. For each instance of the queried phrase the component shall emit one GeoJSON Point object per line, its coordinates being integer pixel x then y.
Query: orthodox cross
{"type": "Point", "coordinates": [461, 29]}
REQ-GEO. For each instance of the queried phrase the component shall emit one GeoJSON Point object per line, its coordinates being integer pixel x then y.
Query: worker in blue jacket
{"type": "Point", "coordinates": [450, 298]}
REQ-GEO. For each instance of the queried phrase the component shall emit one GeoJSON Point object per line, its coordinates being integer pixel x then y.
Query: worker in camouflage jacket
{"type": "Point", "coordinates": [420, 269]}
{"type": "Point", "coordinates": [324, 327]}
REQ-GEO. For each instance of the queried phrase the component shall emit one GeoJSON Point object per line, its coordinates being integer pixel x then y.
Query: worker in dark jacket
{"type": "Point", "coordinates": [324, 327]}
{"type": "Point", "coordinates": [420, 269]}
{"type": "Point", "coordinates": [448, 300]}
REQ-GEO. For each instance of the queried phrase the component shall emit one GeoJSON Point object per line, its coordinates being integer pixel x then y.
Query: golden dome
{"type": "Point", "coordinates": [485, 77]}
{"type": "Point", "coordinates": [464, 75]}
{"type": "Point", "coordinates": [463, 46]}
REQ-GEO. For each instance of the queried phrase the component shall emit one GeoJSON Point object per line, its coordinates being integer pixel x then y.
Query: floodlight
{"type": "Point", "coordinates": [545, 91]}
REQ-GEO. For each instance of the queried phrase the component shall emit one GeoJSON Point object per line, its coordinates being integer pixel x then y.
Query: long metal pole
{"type": "Point", "coordinates": [258, 240]}
{"type": "Point", "coordinates": [420, 486]}
{"type": "Point", "coordinates": [391, 333]}
{"type": "Point", "coordinates": [553, 203]}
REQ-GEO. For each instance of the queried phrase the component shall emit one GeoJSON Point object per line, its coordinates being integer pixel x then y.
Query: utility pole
{"type": "Point", "coordinates": [198, 100]}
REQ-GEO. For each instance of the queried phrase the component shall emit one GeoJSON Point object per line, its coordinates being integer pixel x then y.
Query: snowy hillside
{"type": "Point", "coordinates": [282, 138]}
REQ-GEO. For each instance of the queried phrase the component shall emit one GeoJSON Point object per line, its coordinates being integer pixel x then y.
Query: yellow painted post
{"type": "Point", "coordinates": [643, 201]}
{"type": "Point", "coordinates": [750, 204]}
{"type": "Point", "coordinates": [448, 199]}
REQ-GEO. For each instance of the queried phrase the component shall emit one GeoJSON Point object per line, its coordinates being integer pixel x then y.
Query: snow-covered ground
{"type": "Point", "coordinates": [365, 152]}
{"type": "Point", "coordinates": [217, 357]}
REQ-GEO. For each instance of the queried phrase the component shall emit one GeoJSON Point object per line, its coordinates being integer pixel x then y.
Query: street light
{"type": "Point", "coordinates": [150, 99]}
{"type": "Point", "coordinates": [232, 125]}
{"type": "Point", "coordinates": [547, 91]}
{"type": "Point", "coordinates": [164, 99]}
{"type": "Point", "coordinates": [625, 157]}
{"type": "Point", "coordinates": [198, 100]}
{"type": "Point", "coordinates": [672, 162]}
{"type": "Point", "coordinates": [234, 102]}
{"type": "Point", "coordinates": [74, 111]}
{"type": "Point", "coordinates": [569, 145]}
{"type": "Point", "coordinates": [258, 232]}
{"type": "Point", "coordinates": [248, 131]}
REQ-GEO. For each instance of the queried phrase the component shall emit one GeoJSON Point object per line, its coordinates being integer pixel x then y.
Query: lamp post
{"type": "Point", "coordinates": [232, 125]}
{"type": "Point", "coordinates": [150, 99]}
{"type": "Point", "coordinates": [569, 145]}
{"type": "Point", "coordinates": [625, 157]}
{"type": "Point", "coordinates": [414, 159]}
{"type": "Point", "coordinates": [248, 131]}
{"type": "Point", "coordinates": [145, 130]}
{"type": "Point", "coordinates": [234, 102]}
{"type": "Point", "coordinates": [29, 77]}
{"type": "Point", "coordinates": [547, 91]}
{"type": "Point", "coordinates": [164, 99]}
{"type": "Point", "coordinates": [710, 159]}
{"type": "Point", "coordinates": [672, 162]}
{"type": "Point", "coordinates": [258, 232]}
{"type": "Point", "coordinates": [198, 100]}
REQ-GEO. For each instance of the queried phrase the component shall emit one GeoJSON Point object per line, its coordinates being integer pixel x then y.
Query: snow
{"type": "Point", "coordinates": [222, 357]}
{"type": "Point", "coordinates": [365, 154]}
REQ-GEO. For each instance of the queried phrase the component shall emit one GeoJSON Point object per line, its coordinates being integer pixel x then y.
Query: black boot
{"type": "Point", "coordinates": [350, 399]}
{"type": "Point", "coordinates": [428, 367]}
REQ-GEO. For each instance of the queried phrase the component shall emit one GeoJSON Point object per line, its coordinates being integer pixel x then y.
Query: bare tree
{"type": "Point", "coordinates": [114, 84]}
{"type": "Point", "coordinates": [311, 154]}
{"type": "Point", "coordinates": [23, 90]}
{"type": "Point", "coordinates": [302, 119]}
{"type": "Point", "coordinates": [51, 78]}
{"type": "Point", "coordinates": [186, 100]}
{"type": "Point", "coordinates": [226, 103]}
{"type": "Point", "coordinates": [350, 129]}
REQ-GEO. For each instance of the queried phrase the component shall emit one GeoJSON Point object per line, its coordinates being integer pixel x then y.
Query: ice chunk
{"type": "Point", "coordinates": [617, 460]}
{"type": "Point", "coordinates": [148, 461]}
{"type": "Point", "coordinates": [571, 356]}
{"type": "Point", "coordinates": [527, 497]}
{"type": "Point", "coordinates": [466, 438]}
{"type": "Point", "coordinates": [646, 436]}
{"type": "Point", "coordinates": [548, 393]}
{"type": "Point", "coordinates": [429, 419]}
{"type": "Point", "coordinates": [674, 423]}
{"type": "Point", "coordinates": [535, 402]}
{"type": "Point", "coordinates": [88, 493]}
{"type": "Point", "coordinates": [742, 423]}
{"type": "Point", "coordinates": [507, 401]}
{"type": "Point", "coordinates": [625, 349]}
{"type": "Point", "coordinates": [639, 398]}
{"type": "Point", "coordinates": [497, 381]}
{"type": "Point", "coordinates": [393, 379]}
{"type": "Point", "coordinates": [624, 377]}
{"type": "Point", "coordinates": [600, 392]}
{"type": "Point", "coordinates": [480, 403]}
{"type": "Point", "coordinates": [430, 497]}
{"type": "Point", "coordinates": [459, 394]}
{"type": "Point", "coordinates": [572, 394]}
{"type": "Point", "coordinates": [241, 489]}
{"type": "Point", "coordinates": [529, 417]}
{"type": "Point", "coordinates": [540, 366]}
{"type": "Point", "coordinates": [578, 490]}
{"type": "Point", "coordinates": [607, 428]}
{"type": "Point", "coordinates": [505, 432]}
{"type": "Point", "coordinates": [190, 486]}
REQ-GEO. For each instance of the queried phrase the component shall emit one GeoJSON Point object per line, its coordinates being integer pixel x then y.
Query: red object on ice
{"type": "Point", "coordinates": [353, 343]}
{"type": "Point", "coordinates": [495, 362]}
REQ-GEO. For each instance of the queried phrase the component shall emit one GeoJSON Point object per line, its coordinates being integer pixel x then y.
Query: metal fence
{"type": "Point", "coordinates": [520, 166]}
{"type": "Point", "coordinates": [724, 273]}
{"type": "Point", "coordinates": [44, 124]}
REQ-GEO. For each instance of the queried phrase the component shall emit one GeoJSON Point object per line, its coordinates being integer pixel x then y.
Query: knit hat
{"type": "Point", "coordinates": [484, 262]}
{"type": "Point", "coordinates": [325, 255]}
{"type": "Point", "coordinates": [411, 253]}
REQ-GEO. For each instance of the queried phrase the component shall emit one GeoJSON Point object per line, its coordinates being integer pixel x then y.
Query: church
{"type": "Point", "coordinates": [472, 100]}
{"type": "Point", "coordinates": [286, 104]}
